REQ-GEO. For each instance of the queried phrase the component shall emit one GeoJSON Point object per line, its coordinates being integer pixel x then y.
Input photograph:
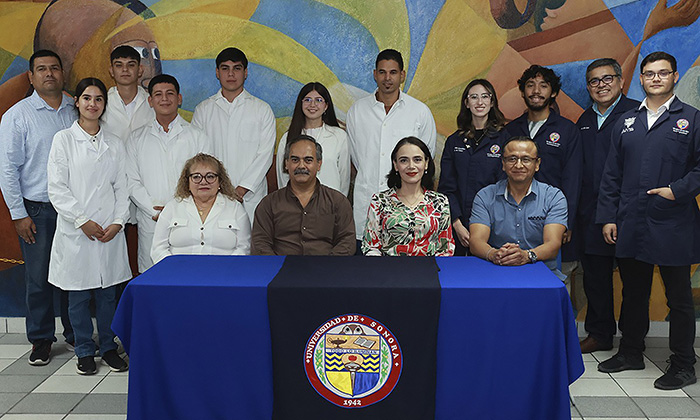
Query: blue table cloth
{"type": "Point", "coordinates": [197, 333]}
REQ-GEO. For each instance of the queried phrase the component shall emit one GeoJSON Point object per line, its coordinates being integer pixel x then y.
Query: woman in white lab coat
{"type": "Point", "coordinates": [87, 187]}
{"type": "Point", "coordinates": [205, 216]}
{"type": "Point", "coordinates": [314, 115]}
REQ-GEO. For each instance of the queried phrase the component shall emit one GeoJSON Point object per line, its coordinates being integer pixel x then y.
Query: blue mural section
{"type": "Point", "coordinates": [421, 16]}
{"type": "Point", "coordinates": [272, 87]}
{"type": "Point", "coordinates": [341, 42]}
{"type": "Point", "coordinates": [573, 76]}
{"type": "Point", "coordinates": [18, 65]}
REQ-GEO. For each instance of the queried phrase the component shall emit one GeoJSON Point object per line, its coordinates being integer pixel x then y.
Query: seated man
{"type": "Point", "coordinates": [305, 217]}
{"type": "Point", "coordinates": [518, 220]}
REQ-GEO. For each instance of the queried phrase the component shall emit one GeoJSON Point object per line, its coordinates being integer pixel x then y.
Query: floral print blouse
{"type": "Point", "coordinates": [395, 229]}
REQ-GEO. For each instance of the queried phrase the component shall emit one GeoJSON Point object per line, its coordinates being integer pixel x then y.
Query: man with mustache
{"type": "Point", "coordinates": [559, 143]}
{"type": "Point", "coordinates": [305, 217]}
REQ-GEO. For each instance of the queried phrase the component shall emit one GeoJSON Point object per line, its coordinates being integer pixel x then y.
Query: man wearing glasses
{"type": "Point", "coordinates": [304, 217]}
{"type": "Point", "coordinates": [156, 154]}
{"type": "Point", "coordinates": [604, 83]}
{"type": "Point", "coordinates": [647, 206]}
{"type": "Point", "coordinates": [518, 220]}
{"type": "Point", "coordinates": [559, 144]}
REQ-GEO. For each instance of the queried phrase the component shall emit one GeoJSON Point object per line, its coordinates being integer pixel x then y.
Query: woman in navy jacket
{"type": "Point", "coordinates": [471, 159]}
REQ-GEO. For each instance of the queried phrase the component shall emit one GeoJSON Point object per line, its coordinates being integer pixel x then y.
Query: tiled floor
{"type": "Point", "coordinates": [56, 392]}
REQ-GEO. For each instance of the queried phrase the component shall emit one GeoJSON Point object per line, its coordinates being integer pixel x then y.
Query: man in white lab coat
{"type": "Point", "coordinates": [156, 154]}
{"type": "Point", "coordinates": [241, 127]}
{"type": "Point", "coordinates": [375, 124]}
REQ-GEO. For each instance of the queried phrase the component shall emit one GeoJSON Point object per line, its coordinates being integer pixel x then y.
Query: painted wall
{"type": "Point", "coordinates": [445, 44]}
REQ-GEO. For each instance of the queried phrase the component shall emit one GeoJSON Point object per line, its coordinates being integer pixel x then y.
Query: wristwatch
{"type": "Point", "coordinates": [532, 256]}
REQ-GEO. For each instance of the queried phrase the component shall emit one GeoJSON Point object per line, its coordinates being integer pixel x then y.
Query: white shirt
{"type": "Point", "coordinates": [121, 121]}
{"type": "Point", "coordinates": [180, 230]}
{"type": "Point", "coordinates": [335, 166]}
{"type": "Point", "coordinates": [87, 183]}
{"type": "Point", "coordinates": [372, 134]}
{"type": "Point", "coordinates": [153, 167]}
{"type": "Point", "coordinates": [243, 136]}
{"type": "Point", "coordinates": [652, 117]}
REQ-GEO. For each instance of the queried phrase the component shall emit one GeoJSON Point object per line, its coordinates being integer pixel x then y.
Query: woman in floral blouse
{"type": "Point", "coordinates": [409, 218]}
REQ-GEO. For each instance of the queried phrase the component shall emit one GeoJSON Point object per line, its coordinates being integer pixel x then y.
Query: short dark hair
{"type": "Point", "coordinates": [232, 54]}
{"type": "Point", "coordinates": [125, 51]}
{"type": "Point", "coordinates": [87, 82]}
{"type": "Point", "coordinates": [521, 138]}
{"type": "Point", "coordinates": [602, 62]}
{"type": "Point", "coordinates": [547, 74]}
{"type": "Point", "coordinates": [303, 137]}
{"type": "Point", "coordinates": [163, 78]}
{"type": "Point", "coordinates": [389, 54]}
{"type": "Point", "coordinates": [43, 53]}
{"type": "Point", "coordinates": [657, 56]}
{"type": "Point", "coordinates": [393, 179]}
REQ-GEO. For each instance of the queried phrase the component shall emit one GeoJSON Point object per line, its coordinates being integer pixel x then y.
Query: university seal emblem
{"type": "Point", "coordinates": [353, 361]}
{"type": "Point", "coordinates": [682, 123]}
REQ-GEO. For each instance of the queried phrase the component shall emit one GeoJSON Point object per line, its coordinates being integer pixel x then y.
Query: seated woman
{"type": "Point", "coordinates": [204, 217]}
{"type": "Point", "coordinates": [314, 115]}
{"type": "Point", "coordinates": [471, 159]}
{"type": "Point", "coordinates": [409, 218]}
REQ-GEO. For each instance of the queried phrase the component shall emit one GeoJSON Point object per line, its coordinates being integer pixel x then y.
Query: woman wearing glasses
{"type": "Point", "coordinates": [204, 217]}
{"type": "Point", "coordinates": [314, 115]}
{"type": "Point", "coordinates": [471, 159]}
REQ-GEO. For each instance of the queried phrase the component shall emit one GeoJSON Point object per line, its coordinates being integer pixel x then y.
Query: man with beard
{"type": "Point", "coordinates": [559, 143]}
{"type": "Point", "coordinates": [648, 210]}
{"type": "Point", "coordinates": [305, 217]}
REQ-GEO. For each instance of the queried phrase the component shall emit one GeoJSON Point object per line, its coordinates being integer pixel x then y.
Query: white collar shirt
{"type": "Point", "coordinates": [372, 135]}
{"type": "Point", "coordinates": [120, 119]}
{"type": "Point", "coordinates": [652, 117]}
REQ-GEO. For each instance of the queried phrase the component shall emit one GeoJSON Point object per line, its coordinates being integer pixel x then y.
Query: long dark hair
{"type": "Point", "coordinates": [393, 179]}
{"type": "Point", "coordinates": [299, 119]}
{"type": "Point", "coordinates": [87, 82]}
{"type": "Point", "coordinates": [496, 120]}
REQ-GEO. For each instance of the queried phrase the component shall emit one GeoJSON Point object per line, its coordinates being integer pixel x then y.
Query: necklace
{"type": "Point", "coordinates": [408, 203]}
{"type": "Point", "coordinates": [476, 141]}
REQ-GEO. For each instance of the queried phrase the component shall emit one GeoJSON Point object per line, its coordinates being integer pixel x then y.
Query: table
{"type": "Point", "coordinates": [197, 333]}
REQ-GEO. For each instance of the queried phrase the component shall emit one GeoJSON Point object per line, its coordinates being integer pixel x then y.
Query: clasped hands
{"type": "Point", "coordinates": [94, 231]}
{"type": "Point", "coordinates": [509, 254]}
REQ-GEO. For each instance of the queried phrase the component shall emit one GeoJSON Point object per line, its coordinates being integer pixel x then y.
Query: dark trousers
{"type": "Point", "coordinates": [636, 281]}
{"type": "Point", "coordinates": [598, 285]}
{"type": "Point", "coordinates": [40, 294]}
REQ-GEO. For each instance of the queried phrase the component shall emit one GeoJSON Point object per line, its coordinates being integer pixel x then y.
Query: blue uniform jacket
{"type": "Point", "coordinates": [561, 165]}
{"type": "Point", "coordinates": [464, 170]}
{"type": "Point", "coordinates": [595, 143]}
{"type": "Point", "coordinates": [649, 227]}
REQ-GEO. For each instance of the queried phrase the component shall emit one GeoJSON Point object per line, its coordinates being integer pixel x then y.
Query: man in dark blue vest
{"type": "Point", "coordinates": [559, 143]}
{"type": "Point", "coordinates": [604, 83]}
{"type": "Point", "coordinates": [648, 208]}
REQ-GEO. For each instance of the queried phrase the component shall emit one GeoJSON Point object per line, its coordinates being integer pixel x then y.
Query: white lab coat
{"type": "Point", "coordinates": [335, 169]}
{"type": "Point", "coordinates": [87, 184]}
{"type": "Point", "coordinates": [373, 134]}
{"type": "Point", "coordinates": [243, 136]}
{"type": "Point", "coordinates": [180, 230]}
{"type": "Point", "coordinates": [153, 166]}
{"type": "Point", "coordinates": [115, 120]}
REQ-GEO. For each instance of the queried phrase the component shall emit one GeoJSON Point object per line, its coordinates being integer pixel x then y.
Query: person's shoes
{"type": "Point", "coordinates": [86, 365]}
{"type": "Point", "coordinates": [620, 362]}
{"type": "Point", "coordinates": [115, 363]}
{"type": "Point", "coordinates": [590, 344]}
{"type": "Point", "coordinates": [41, 353]}
{"type": "Point", "coordinates": [675, 378]}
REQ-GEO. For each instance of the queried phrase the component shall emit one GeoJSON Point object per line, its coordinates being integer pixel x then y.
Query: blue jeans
{"type": "Point", "coordinates": [79, 310]}
{"type": "Point", "coordinates": [40, 294]}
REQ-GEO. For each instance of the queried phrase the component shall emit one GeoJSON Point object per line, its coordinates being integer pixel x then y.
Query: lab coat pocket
{"type": "Point", "coordinates": [663, 210]}
{"type": "Point", "coordinates": [676, 147]}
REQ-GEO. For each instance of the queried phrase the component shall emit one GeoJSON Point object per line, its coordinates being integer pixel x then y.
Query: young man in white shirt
{"type": "Point", "coordinates": [241, 127]}
{"type": "Point", "coordinates": [376, 123]}
{"type": "Point", "coordinates": [156, 154]}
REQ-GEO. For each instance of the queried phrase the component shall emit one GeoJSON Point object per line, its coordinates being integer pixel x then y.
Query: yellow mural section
{"type": "Point", "coordinates": [243, 9]}
{"type": "Point", "coordinates": [22, 18]}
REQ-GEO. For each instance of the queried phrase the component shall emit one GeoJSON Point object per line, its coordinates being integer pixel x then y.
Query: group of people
{"type": "Point", "coordinates": [539, 188]}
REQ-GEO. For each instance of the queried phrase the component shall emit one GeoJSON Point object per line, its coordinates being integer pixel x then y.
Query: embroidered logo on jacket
{"type": "Point", "coordinates": [681, 126]}
{"type": "Point", "coordinates": [554, 140]}
{"type": "Point", "coordinates": [628, 125]}
{"type": "Point", "coordinates": [493, 151]}
{"type": "Point", "coordinates": [353, 361]}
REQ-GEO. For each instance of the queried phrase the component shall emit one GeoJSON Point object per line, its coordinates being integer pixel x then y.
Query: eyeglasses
{"type": "Point", "coordinates": [209, 176]}
{"type": "Point", "coordinates": [663, 74]}
{"type": "Point", "coordinates": [525, 160]}
{"type": "Point", "coordinates": [318, 101]}
{"type": "Point", "coordinates": [484, 96]}
{"type": "Point", "coordinates": [607, 79]}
